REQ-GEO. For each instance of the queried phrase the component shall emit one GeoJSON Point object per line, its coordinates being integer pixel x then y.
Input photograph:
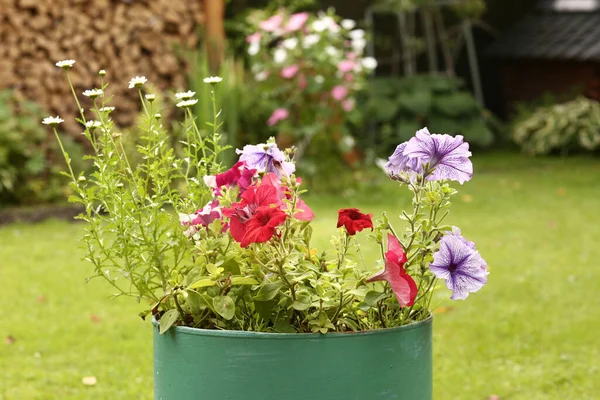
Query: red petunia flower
{"type": "Point", "coordinates": [252, 199]}
{"type": "Point", "coordinates": [353, 220]}
{"type": "Point", "coordinates": [403, 285]}
{"type": "Point", "coordinates": [239, 175]}
{"type": "Point", "coordinates": [268, 195]}
{"type": "Point", "coordinates": [261, 227]}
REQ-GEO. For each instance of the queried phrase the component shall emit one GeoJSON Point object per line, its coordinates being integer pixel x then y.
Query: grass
{"type": "Point", "coordinates": [530, 334]}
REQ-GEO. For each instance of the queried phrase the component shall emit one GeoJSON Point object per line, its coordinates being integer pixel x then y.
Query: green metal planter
{"type": "Point", "coordinates": [203, 364]}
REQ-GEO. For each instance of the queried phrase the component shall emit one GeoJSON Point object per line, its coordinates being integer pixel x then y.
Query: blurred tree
{"type": "Point", "coordinates": [214, 11]}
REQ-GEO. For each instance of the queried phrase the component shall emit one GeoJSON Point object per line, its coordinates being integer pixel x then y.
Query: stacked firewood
{"type": "Point", "coordinates": [124, 37]}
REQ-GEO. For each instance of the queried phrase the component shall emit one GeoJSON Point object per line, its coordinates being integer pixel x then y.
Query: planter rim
{"type": "Point", "coordinates": [294, 336]}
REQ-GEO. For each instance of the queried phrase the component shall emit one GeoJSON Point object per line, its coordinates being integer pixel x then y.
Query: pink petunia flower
{"type": "Point", "coordinates": [254, 38]}
{"type": "Point", "coordinates": [348, 105]}
{"type": "Point", "coordinates": [346, 65]}
{"type": "Point", "coordinates": [296, 21]}
{"type": "Point", "coordinates": [289, 72]}
{"type": "Point", "coordinates": [278, 115]}
{"type": "Point", "coordinates": [272, 24]}
{"type": "Point", "coordinates": [302, 81]}
{"type": "Point", "coordinates": [339, 92]}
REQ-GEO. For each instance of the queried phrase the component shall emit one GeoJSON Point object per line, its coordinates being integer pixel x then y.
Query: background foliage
{"type": "Point", "coordinates": [400, 106]}
{"type": "Point", "coordinates": [30, 162]}
{"type": "Point", "coordinates": [564, 127]}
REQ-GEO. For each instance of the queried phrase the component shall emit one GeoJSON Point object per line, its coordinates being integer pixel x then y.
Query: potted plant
{"type": "Point", "coordinates": [243, 306]}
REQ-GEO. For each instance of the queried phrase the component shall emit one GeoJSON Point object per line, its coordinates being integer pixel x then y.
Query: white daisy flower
{"type": "Point", "coordinates": [157, 115]}
{"type": "Point", "coordinates": [102, 72]}
{"type": "Point", "coordinates": [348, 141]}
{"type": "Point", "coordinates": [93, 124]}
{"type": "Point", "coordinates": [310, 40]}
{"type": "Point", "coordinates": [213, 79]}
{"type": "Point", "coordinates": [53, 121]}
{"type": "Point", "coordinates": [369, 63]}
{"type": "Point", "coordinates": [359, 44]}
{"type": "Point", "coordinates": [290, 43]}
{"type": "Point", "coordinates": [279, 56]}
{"type": "Point", "coordinates": [65, 64]}
{"type": "Point", "coordinates": [93, 93]}
{"type": "Point", "coordinates": [357, 34]}
{"type": "Point", "coordinates": [106, 109]}
{"type": "Point", "coordinates": [187, 103]}
{"type": "Point", "coordinates": [321, 24]}
{"type": "Point", "coordinates": [137, 82]}
{"type": "Point", "coordinates": [261, 76]}
{"type": "Point", "coordinates": [184, 95]}
{"type": "Point", "coordinates": [150, 97]}
{"type": "Point", "coordinates": [319, 79]}
{"type": "Point", "coordinates": [348, 24]}
{"type": "Point", "coordinates": [254, 48]}
{"type": "Point", "coordinates": [332, 51]}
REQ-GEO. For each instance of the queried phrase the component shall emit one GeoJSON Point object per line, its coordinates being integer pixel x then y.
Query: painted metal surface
{"type": "Point", "coordinates": [232, 365]}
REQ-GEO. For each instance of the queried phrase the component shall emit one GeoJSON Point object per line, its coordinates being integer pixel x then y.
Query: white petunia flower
{"type": "Point", "coordinates": [150, 96]}
{"type": "Point", "coordinates": [53, 121]}
{"type": "Point", "coordinates": [357, 34]}
{"type": "Point", "coordinates": [187, 103]}
{"type": "Point", "coordinates": [290, 43]}
{"type": "Point", "coordinates": [213, 79]}
{"type": "Point", "coordinates": [184, 95]}
{"type": "Point", "coordinates": [310, 40]}
{"type": "Point", "coordinates": [106, 109]}
{"type": "Point", "coordinates": [93, 124]}
{"type": "Point", "coordinates": [65, 64]}
{"type": "Point", "coordinates": [137, 82]}
{"type": "Point", "coordinates": [348, 24]}
{"type": "Point", "coordinates": [254, 48]}
{"type": "Point", "coordinates": [369, 63]}
{"type": "Point", "coordinates": [93, 93]}
{"type": "Point", "coordinates": [279, 56]}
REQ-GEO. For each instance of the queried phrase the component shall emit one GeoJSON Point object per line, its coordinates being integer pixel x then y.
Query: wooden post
{"type": "Point", "coordinates": [214, 11]}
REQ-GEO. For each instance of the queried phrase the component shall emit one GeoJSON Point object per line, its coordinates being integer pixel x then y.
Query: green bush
{"type": "Point", "coordinates": [570, 126]}
{"type": "Point", "coordinates": [401, 106]}
{"type": "Point", "coordinates": [30, 162]}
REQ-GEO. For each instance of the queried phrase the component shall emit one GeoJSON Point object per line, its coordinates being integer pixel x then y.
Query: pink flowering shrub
{"type": "Point", "coordinates": [308, 69]}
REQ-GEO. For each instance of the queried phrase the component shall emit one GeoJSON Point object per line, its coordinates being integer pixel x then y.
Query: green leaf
{"type": "Point", "coordinates": [167, 320]}
{"type": "Point", "coordinates": [264, 308]}
{"type": "Point", "coordinates": [243, 280]}
{"type": "Point", "coordinates": [268, 291]}
{"type": "Point", "coordinates": [193, 275]}
{"type": "Point", "coordinates": [224, 306]}
{"type": "Point", "coordinates": [195, 302]}
{"type": "Point", "coordinates": [302, 302]}
{"type": "Point", "coordinates": [373, 297]}
{"type": "Point", "coordinates": [202, 283]}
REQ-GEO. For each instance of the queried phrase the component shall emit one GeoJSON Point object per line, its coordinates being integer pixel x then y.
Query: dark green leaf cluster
{"type": "Point", "coordinates": [400, 107]}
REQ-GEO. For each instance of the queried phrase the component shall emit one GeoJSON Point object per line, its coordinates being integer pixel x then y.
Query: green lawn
{"type": "Point", "coordinates": [531, 334]}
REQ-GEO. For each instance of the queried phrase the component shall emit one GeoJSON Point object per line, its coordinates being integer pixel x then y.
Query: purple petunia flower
{"type": "Point", "coordinates": [447, 156]}
{"type": "Point", "coordinates": [460, 265]}
{"type": "Point", "coordinates": [399, 163]}
{"type": "Point", "coordinates": [266, 158]}
{"type": "Point", "coordinates": [456, 232]}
